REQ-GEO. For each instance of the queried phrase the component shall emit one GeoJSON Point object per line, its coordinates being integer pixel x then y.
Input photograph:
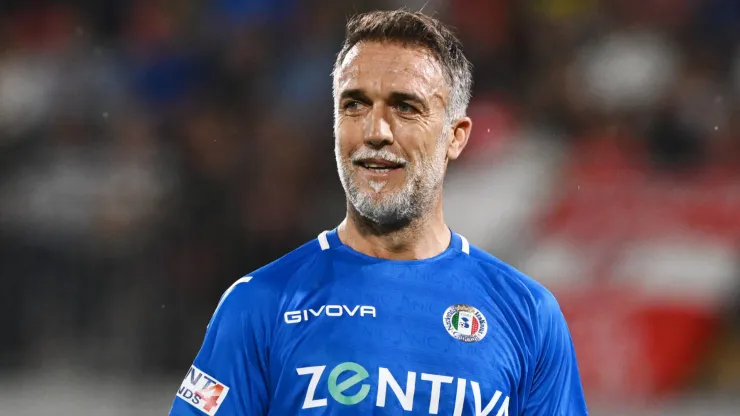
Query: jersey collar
{"type": "Point", "coordinates": [329, 239]}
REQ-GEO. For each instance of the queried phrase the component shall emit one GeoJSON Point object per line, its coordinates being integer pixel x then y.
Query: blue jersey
{"type": "Point", "coordinates": [327, 330]}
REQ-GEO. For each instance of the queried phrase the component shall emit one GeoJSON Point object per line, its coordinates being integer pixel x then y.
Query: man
{"type": "Point", "coordinates": [390, 312]}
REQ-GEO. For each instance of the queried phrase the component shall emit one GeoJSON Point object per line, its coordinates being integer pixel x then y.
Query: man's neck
{"type": "Point", "coordinates": [420, 239]}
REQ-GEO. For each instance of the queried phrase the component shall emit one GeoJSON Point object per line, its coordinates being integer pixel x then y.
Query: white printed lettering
{"type": "Point", "coordinates": [315, 372]}
{"type": "Point", "coordinates": [333, 310]}
{"type": "Point", "coordinates": [476, 396]}
{"type": "Point", "coordinates": [294, 317]}
{"type": "Point", "coordinates": [504, 409]}
{"type": "Point", "coordinates": [342, 393]}
{"type": "Point", "coordinates": [315, 313]}
{"type": "Point", "coordinates": [385, 379]}
{"type": "Point", "coordinates": [436, 388]}
{"type": "Point", "coordinates": [351, 312]}
{"type": "Point", "coordinates": [367, 310]}
{"type": "Point", "coordinates": [460, 396]}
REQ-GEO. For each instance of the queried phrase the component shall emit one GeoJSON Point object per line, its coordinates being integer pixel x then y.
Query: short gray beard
{"type": "Point", "coordinates": [413, 201]}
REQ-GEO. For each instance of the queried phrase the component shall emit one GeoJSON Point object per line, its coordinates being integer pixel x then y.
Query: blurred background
{"type": "Point", "coordinates": [153, 152]}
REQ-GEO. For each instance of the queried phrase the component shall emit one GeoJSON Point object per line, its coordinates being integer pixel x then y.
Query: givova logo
{"type": "Point", "coordinates": [202, 391]}
{"type": "Point", "coordinates": [351, 374]}
{"type": "Point", "coordinates": [294, 317]}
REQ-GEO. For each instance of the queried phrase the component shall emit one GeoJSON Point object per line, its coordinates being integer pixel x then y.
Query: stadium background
{"type": "Point", "coordinates": [152, 152]}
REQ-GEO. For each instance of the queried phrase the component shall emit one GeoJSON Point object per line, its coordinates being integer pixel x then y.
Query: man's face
{"type": "Point", "coordinates": [391, 134]}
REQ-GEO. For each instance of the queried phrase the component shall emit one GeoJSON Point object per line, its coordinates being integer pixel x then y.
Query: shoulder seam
{"type": "Point", "coordinates": [506, 269]}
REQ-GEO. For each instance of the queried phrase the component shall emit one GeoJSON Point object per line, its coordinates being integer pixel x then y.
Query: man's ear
{"type": "Point", "coordinates": [460, 134]}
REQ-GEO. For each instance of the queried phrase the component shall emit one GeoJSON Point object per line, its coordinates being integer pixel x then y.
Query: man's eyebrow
{"type": "Point", "coordinates": [398, 97]}
{"type": "Point", "coordinates": [395, 97]}
{"type": "Point", "coordinates": [354, 94]}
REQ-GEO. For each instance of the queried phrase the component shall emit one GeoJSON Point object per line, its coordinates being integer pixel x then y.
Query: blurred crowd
{"type": "Point", "coordinates": [152, 152]}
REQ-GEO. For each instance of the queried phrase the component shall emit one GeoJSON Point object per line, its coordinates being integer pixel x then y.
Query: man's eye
{"type": "Point", "coordinates": [351, 105]}
{"type": "Point", "coordinates": [406, 108]}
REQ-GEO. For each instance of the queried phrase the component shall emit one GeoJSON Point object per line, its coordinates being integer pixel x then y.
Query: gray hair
{"type": "Point", "coordinates": [416, 29]}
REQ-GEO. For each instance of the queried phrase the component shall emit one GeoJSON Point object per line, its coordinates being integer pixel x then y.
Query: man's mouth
{"type": "Point", "coordinates": [378, 165]}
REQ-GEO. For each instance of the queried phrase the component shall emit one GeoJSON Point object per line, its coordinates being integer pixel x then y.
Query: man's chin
{"type": "Point", "coordinates": [380, 197]}
{"type": "Point", "coordinates": [381, 209]}
{"type": "Point", "coordinates": [380, 190]}
{"type": "Point", "coordinates": [382, 219]}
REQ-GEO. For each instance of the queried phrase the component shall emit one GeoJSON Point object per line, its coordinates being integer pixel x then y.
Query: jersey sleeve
{"type": "Point", "coordinates": [228, 375]}
{"type": "Point", "coordinates": [556, 388]}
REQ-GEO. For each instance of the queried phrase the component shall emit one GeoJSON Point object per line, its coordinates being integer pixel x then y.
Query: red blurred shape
{"type": "Point", "coordinates": [632, 348]}
{"type": "Point", "coordinates": [631, 345]}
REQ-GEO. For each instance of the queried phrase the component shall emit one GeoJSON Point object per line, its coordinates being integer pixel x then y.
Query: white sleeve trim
{"type": "Point", "coordinates": [244, 279]}
{"type": "Point", "coordinates": [465, 245]}
{"type": "Point", "coordinates": [323, 241]}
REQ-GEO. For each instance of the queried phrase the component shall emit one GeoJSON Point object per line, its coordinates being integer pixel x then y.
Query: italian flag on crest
{"type": "Point", "coordinates": [465, 323]}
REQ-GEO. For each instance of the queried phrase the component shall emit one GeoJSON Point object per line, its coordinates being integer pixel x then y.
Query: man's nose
{"type": "Point", "coordinates": [377, 128]}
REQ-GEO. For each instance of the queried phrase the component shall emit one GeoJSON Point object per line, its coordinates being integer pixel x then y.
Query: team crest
{"type": "Point", "coordinates": [465, 323]}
